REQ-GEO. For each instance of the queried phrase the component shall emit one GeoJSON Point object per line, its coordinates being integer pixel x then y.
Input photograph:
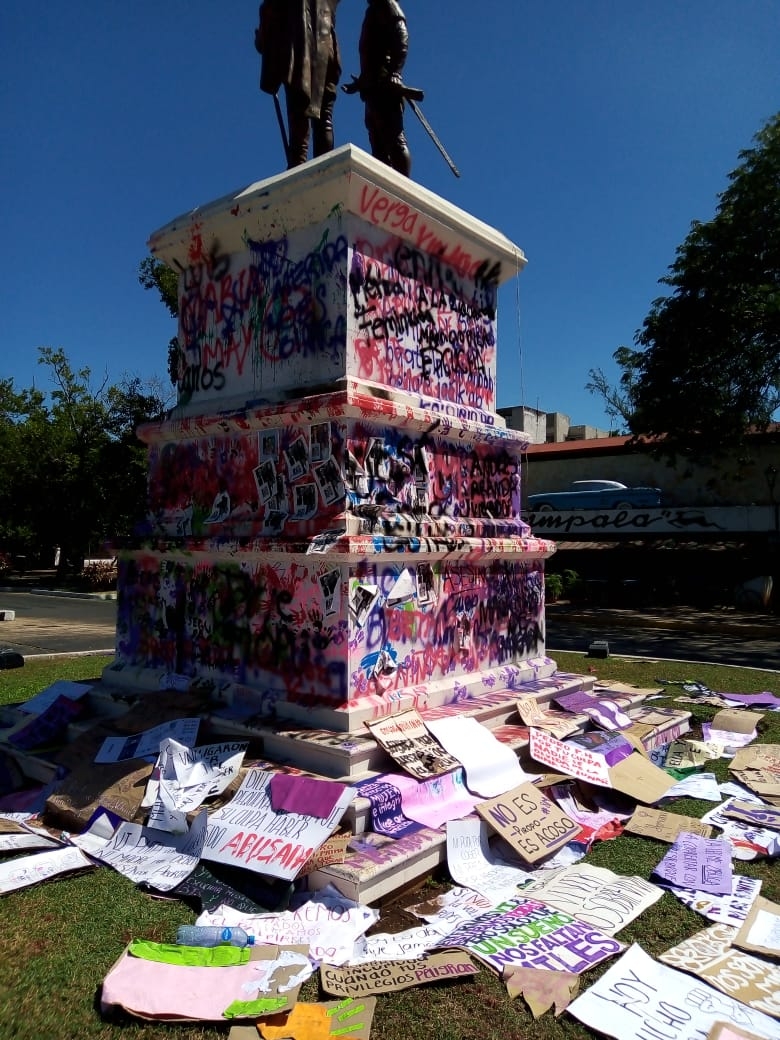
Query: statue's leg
{"type": "Point", "coordinates": [322, 136]}
{"type": "Point", "coordinates": [297, 127]}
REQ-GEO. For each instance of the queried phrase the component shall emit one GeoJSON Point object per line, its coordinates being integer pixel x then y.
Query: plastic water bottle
{"type": "Point", "coordinates": [212, 935]}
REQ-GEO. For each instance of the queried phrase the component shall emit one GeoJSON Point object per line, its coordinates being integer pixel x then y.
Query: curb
{"type": "Point", "coordinates": [62, 593]}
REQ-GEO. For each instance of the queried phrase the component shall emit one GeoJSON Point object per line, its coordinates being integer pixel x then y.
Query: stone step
{"type": "Point", "coordinates": [345, 756]}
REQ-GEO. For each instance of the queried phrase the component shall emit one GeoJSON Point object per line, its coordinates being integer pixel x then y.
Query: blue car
{"type": "Point", "coordinates": [596, 494]}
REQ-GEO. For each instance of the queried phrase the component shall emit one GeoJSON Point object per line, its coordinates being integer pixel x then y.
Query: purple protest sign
{"type": "Point", "coordinates": [387, 817]}
{"type": "Point", "coordinates": [526, 933]}
{"type": "Point", "coordinates": [703, 864]}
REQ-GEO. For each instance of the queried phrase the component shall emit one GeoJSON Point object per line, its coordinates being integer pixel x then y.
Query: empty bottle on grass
{"type": "Point", "coordinates": [212, 935]}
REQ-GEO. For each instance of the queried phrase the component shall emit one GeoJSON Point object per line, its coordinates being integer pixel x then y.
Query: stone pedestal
{"type": "Point", "coordinates": [334, 528]}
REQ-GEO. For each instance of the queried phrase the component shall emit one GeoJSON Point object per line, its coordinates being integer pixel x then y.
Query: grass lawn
{"type": "Point", "coordinates": [59, 939]}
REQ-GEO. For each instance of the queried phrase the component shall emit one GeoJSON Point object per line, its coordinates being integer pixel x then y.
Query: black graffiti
{"type": "Point", "coordinates": [195, 378]}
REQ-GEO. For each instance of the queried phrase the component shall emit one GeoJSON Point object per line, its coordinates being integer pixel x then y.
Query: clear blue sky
{"type": "Point", "coordinates": [590, 132]}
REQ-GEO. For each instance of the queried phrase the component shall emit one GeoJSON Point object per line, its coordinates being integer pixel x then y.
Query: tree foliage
{"type": "Point", "coordinates": [708, 365]}
{"type": "Point", "coordinates": [154, 274]}
{"type": "Point", "coordinates": [72, 470]}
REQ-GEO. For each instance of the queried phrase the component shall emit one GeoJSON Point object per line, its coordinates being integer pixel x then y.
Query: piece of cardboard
{"type": "Point", "coordinates": [529, 821]}
{"type": "Point", "coordinates": [730, 1031]}
{"type": "Point", "coordinates": [709, 955]}
{"type": "Point", "coordinates": [595, 895]}
{"type": "Point", "coordinates": [760, 931]}
{"type": "Point", "coordinates": [758, 815]}
{"type": "Point", "coordinates": [391, 976]}
{"type": "Point", "coordinates": [736, 720]}
{"type": "Point", "coordinates": [542, 989]}
{"type": "Point", "coordinates": [406, 738]}
{"type": "Point", "coordinates": [664, 826]}
{"type": "Point", "coordinates": [637, 777]}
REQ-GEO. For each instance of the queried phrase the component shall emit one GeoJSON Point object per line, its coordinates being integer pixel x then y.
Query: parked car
{"type": "Point", "coordinates": [596, 494]}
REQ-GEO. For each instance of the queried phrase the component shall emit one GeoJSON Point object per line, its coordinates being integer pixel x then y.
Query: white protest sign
{"type": "Point", "coordinates": [147, 744]}
{"type": "Point", "coordinates": [247, 832]}
{"type": "Point", "coordinates": [637, 998]}
{"type": "Point", "coordinates": [597, 896]}
{"type": "Point", "coordinates": [471, 864]}
{"type": "Point", "coordinates": [184, 777]}
{"type": "Point", "coordinates": [30, 870]}
{"type": "Point", "coordinates": [569, 758]}
{"type": "Point", "coordinates": [329, 927]}
{"type": "Point", "coordinates": [159, 859]}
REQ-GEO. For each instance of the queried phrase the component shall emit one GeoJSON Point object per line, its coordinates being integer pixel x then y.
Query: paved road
{"type": "Point", "coordinates": [683, 644]}
{"type": "Point", "coordinates": [46, 624]}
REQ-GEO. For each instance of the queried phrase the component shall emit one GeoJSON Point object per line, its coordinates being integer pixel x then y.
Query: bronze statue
{"type": "Point", "coordinates": [297, 41]}
{"type": "Point", "coordinates": [384, 42]}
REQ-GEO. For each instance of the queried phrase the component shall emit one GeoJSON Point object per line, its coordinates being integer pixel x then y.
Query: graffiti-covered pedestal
{"type": "Point", "coordinates": [334, 527]}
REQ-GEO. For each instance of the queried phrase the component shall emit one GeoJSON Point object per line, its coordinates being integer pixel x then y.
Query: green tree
{"type": "Point", "coordinates": [154, 274]}
{"type": "Point", "coordinates": [72, 470]}
{"type": "Point", "coordinates": [707, 370]}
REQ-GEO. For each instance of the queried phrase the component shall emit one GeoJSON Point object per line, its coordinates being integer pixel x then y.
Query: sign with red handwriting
{"type": "Point", "coordinates": [569, 758]}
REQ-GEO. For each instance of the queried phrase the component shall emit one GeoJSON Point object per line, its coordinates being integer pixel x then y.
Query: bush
{"type": "Point", "coordinates": [97, 576]}
{"type": "Point", "coordinates": [6, 564]}
{"type": "Point", "coordinates": [553, 587]}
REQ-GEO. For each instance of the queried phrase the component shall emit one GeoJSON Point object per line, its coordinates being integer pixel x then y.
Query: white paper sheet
{"type": "Point", "coordinates": [31, 870]}
{"type": "Point", "coordinates": [160, 860]}
{"type": "Point", "coordinates": [147, 744]}
{"type": "Point", "coordinates": [472, 864]}
{"type": "Point", "coordinates": [491, 767]}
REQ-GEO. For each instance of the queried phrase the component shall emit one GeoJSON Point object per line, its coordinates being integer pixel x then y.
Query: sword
{"type": "Point", "coordinates": [432, 134]}
{"type": "Point", "coordinates": [282, 128]}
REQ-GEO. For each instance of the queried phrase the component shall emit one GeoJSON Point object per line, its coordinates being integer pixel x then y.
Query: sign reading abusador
{"type": "Point", "coordinates": [249, 833]}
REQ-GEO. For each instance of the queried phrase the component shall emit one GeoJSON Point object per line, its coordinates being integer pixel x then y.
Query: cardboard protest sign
{"type": "Point", "coordinates": [758, 767]}
{"type": "Point", "coordinates": [333, 850]}
{"type": "Point", "coordinates": [691, 754]}
{"type": "Point", "coordinates": [321, 1021]}
{"type": "Point", "coordinates": [47, 727]}
{"type": "Point", "coordinates": [664, 826]}
{"type": "Point", "coordinates": [637, 777]}
{"type": "Point", "coordinates": [703, 864]}
{"type": "Point", "coordinates": [528, 934]}
{"type": "Point", "coordinates": [638, 997]}
{"type": "Point", "coordinates": [559, 723]}
{"type": "Point", "coordinates": [596, 896]}
{"type": "Point", "coordinates": [736, 720]}
{"type": "Point", "coordinates": [406, 739]}
{"type": "Point", "coordinates": [247, 832]}
{"type": "Point", "coordinates": [529, 821]}
{"type": "Point", "coordinates": [449, 909]}
{"type": "Point", "coordinates": [542, 990]}
{"type": "Point", "coordinates": [760, 931]}
{"type": "Point", "coordinates": [747, 840]}
{"type": "Point", "coordinates": [392, 976]}
{"type": "Point", "coordinates": [491, 767]}
{"type": "Point", "coordinates": [395, 946]}
{"type": "Point", "coordinates": [750, 812]}
{"type": "Point", "coordinates": [32, 870]}
{"type": "Point", "coordinates": [729, 909]}
{"type": "Point", "coordinates": [749, 979]}
{"type": "Point", "coordinates": [17, 836]}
